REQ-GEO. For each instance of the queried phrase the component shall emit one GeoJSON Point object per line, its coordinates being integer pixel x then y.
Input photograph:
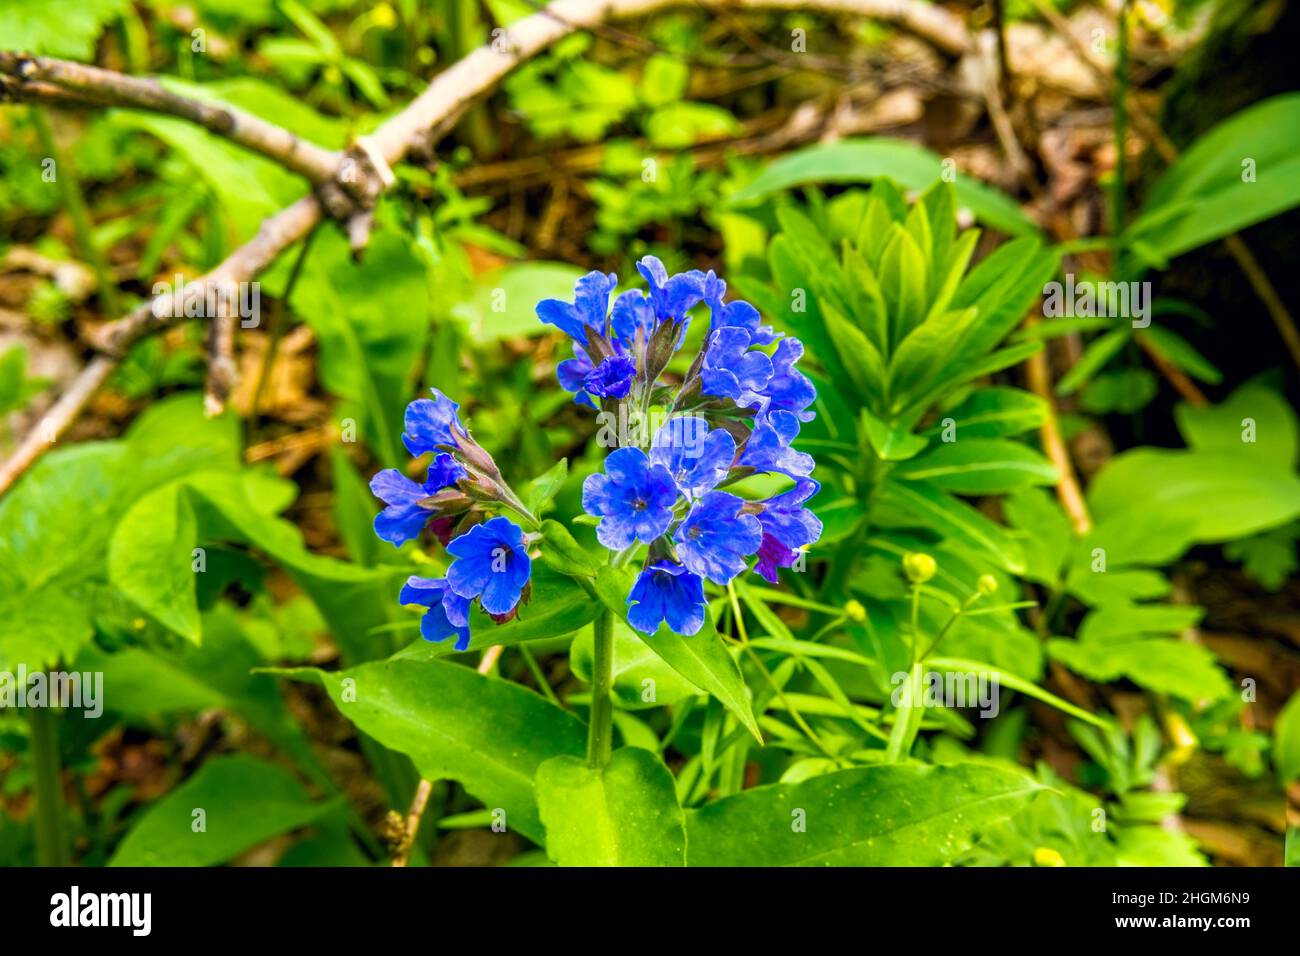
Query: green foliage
{"type": "Point", "coordinates": [624, 814]}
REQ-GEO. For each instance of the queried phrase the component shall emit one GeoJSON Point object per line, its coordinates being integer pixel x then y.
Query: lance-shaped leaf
{"type": "Point", "coordinates": [454, 723]}
{"type": "Point", "coordinates": [869, 816]}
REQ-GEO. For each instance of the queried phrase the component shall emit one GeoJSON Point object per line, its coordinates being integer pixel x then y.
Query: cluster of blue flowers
{"type": "Point", "coordinates": [490, 555]}
{"type": "Point", "coordinates": [737, 412]}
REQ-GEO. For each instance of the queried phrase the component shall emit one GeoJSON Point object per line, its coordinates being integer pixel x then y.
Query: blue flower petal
{"type": "Point", "coordinates": [431, 423]}
{"type": "Point", "coordinates": [697, 458]}
{"type": "Point", "coordinates": [448, 613]}
{"type": "Point", "coordinates": [665, 591]}
{"type": "Point", "coordinates": [491, 564]}
{"type": "Point", "coordinates": [633, 498]}
{"type": "Point", "coordinates": [715, 537]}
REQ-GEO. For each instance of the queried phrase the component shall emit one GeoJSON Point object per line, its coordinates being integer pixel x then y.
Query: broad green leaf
{"type": "Point", "coordinates": [979, 466]}
{"type": "Point", "coordinates": [454, 723]}
{"type": "Point", "coordinates": [538, 493]}
{"type": "Point", "coordinates": [1254, 423]}
{"type": "Point", "coordinates": [504, 299]}
{"type": "Point", "coordinates": [624, 814]}
{"type": "Point", "coordinates": [151, 559]}
{"type": "Point", "coordinates": [869, 816]}
{"type": "Point", "coordinates": [564, 554]}
{"type": "Point", "coordinates": [1208, 194]}
{"type": "Point", "coordinates": [354, 509]}
{"type": "Point", "coordinates": [1286, 741]}
{"type": "Point", "coordinates": [1201, 496]}
{"type": "Point", "coordinates": [244, 802]}
{"type": "Point", "coordinates": [64, 28]}
{"type": "Point", "coordinates": [866, 159]}
{"type": "Point", "coordinates": [1162, 664]}
{"type": "Point", "coordinates": [1046, 534]}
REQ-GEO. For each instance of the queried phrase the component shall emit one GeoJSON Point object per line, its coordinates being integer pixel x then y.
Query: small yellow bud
{"type": "Point", "coordinates": [855, 612]}
{"type": "Point", "coordinates": [1046, 856]}
{"type": "Point", "coordinates": [1181, 736]}
{"type": "Point", "coordinates": [919, 566]}
{"type": "Point", "coordinates": [987, 584]}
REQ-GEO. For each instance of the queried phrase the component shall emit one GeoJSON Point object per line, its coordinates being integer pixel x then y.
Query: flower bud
{"type": "Point", "coordinates": [855, 612]}
{"type": "Point", "coordinates": [987, 584]}
{"type": "Point", "coordinates": [919, 566]}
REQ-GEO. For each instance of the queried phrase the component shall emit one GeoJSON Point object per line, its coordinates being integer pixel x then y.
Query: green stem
{"type": "Point", "coordinates": [51, 841]}
{"type": "Point", "coordinates": [75, 202]}
{"type": "Point", "coordinates": [600, 732]}
{"type": "Point", "coordinates": [907, 719]}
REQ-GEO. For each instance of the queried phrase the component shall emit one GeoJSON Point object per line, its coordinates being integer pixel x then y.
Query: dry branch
{"type": "Point", "coordinates": [62, 82]}
{"type": "Point", "coordinates": [416, 128]}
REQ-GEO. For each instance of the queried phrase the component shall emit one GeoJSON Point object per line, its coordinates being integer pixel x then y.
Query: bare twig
{"type": "Point", "coordinates": [416, 128]}
{"type": "Point", "coordinates": [1068, 490]}
{"type": "Point", "coordinates": [60, 81]}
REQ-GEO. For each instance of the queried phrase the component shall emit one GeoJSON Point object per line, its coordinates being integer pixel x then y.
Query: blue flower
{"type": "Point", "coordinates": [586, 311]}
{"type": "Point", "coordinates": [716, 537]}
{"type": "Point", "coordinates": [697, 458]}
{"type": "Point", "coordinates": [448, 612]}
{"type": "Point", "coordinates": [573, 373]}
{"type": "Point", "coordinates": [738, 314]}
{"type": "Point", "coordinates": [404, 518]}
{"type": "Point", "coordinates": [789, 389]}
{"type": "Point", "coordinates": [787, 526]}
{"type": "Point", "coordinates": [672, 297]}
{"type": "Point", "coordinates": [634, 499]}
{"type": "Point", "coordinates": [768, 447]}
{"type": "Point", "coordinates": [632, 311]}
{"type": "Point", "coordinates": [666, 592]}
{"type": "Point", "coordinates": [431, 424]}
{"type": "Point", "coordinates": [730, 370]}
{"type": "Point", "coordinates": [491, 564]}
{"type": "Point", "coordinates": [612, 378]}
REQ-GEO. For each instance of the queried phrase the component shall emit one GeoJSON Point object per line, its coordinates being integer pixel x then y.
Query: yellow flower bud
{"type": "Point", "coordinates": [855, 612]}
{"type": "Point", "coordinates": [919, 567]}
{"type": "Point", "coordinates": [1046, 856]}
{"type": "Point", "coordinates": [987, 584]}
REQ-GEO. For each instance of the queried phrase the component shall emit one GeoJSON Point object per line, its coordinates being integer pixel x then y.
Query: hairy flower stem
{"type": "Point", "coordinates": [51, 842]}
{"type": "Point", "coordinates": [600, 731]}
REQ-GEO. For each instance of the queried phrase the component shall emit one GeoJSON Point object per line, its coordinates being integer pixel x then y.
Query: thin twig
{"type": "Point", "coordinates": [39, 78]}
{"type": "Point", "coordinates": [416, 128]}
{"type": "Point", "coordinates": [1068, 490]}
